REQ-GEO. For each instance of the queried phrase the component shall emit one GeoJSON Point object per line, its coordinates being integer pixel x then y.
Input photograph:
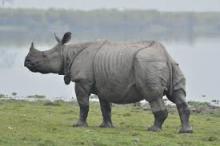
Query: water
{"type": "Point", "coordinates": [198, 60]}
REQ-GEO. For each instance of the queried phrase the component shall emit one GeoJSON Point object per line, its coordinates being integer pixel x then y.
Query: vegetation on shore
{"type": "Point", "coordinates": [46, 123]}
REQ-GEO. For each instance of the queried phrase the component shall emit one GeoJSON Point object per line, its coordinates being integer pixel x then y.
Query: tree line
{"type": "Point", "coordinates": [25, 25]}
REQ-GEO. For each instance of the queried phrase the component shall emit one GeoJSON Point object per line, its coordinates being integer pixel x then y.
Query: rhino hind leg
{"type": "Point", "coordinates": [160, 114]}
{"type": "Point", "coordinates": [106, 108]}
{"type": "Point", "coordinates": [178, 98]}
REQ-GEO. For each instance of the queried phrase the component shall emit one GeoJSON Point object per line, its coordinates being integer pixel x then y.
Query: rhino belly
{"type": "Point", "coordinates": [119, 94]}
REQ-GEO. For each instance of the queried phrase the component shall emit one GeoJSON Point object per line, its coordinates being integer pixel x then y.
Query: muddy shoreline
{"type": "Point", "coordinates": [212, 107]}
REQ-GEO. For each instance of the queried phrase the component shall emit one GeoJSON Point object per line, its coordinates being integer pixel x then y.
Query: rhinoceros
{"type": "Point", "coordinates": [117, 72]}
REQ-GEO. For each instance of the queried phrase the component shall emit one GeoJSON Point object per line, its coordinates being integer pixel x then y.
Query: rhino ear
{"type": "Point", "coordinates": [66, 37]}
{"type": "Point", "coordinates": [57, 38]}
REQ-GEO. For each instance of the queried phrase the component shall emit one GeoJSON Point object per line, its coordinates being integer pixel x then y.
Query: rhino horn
{"type": "Point", "coordinates": [32, 49]}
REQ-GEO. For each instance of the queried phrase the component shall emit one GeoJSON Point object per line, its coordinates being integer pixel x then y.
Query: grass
{"type": "Point", "coordinates": [38, 123]}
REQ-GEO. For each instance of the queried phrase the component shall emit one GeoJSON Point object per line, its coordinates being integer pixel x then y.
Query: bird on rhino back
{"type": "Point", "coordinates": [117, 73]}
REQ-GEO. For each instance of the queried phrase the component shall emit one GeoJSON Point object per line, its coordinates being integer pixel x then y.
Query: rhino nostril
{"type": "Point", "coordinates": [27, 62]}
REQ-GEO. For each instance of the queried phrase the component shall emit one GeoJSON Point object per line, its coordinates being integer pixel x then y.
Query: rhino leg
{"type": "Point", "coordinates": [178, 98]}
{"type": "Point", "coordinates": [106, 109]}
{"type": "Point", "coordinates": [82, 93]}
{"type": "Point", "coordinates": [160, 114]}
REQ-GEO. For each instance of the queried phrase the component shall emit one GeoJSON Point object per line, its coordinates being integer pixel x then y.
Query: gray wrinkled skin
{"type": "Point", "coordinates": [118, 73]}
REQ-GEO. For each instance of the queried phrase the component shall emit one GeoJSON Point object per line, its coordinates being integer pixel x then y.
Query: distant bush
{"type": "Point", "coordinates": [53, 103]}
{"type": "Point", "coordinates": [198, 104]}
{"type": "Point", "coordinates": [204, 107]}
{"type": "Point", "coordinates": [3, 96]}
{"type": "Point", "coordinates": [36, 96]}
{"type": "Point", "coordinates": [13, 93]}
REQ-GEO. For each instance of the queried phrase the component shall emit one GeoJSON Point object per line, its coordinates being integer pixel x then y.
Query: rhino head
{"type": "Point", "coordinates": [49, 61]}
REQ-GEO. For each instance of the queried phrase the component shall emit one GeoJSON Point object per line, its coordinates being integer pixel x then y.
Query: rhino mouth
{"type": "Point", "coordinates": [30, 66]}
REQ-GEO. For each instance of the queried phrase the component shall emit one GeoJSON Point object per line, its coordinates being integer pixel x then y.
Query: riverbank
{"type": "Point", "coordinates": [43, 123]}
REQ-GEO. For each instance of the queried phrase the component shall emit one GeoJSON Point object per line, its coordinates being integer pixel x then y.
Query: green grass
{"type": "Point", "coordinates": [25, 123]}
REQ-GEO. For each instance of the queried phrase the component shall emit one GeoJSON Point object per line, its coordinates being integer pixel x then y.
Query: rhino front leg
{"type": "Point", "coordinates": [184, 112]}
{"type": "Point", "coordinates": [160, 114]}
{"type": "Point", "coordinates": [106, 109]}
{"type": "Point", "coordinates": [82, 93]}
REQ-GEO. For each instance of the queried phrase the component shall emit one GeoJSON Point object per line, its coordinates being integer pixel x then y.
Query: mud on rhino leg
{"type": "Point", "coordinates": [178, 98]}
{"type": "Point", "coordinates": [160, 114]}
{"type": "Point", "coordinates": [106, 109]}
{"type": "Point", "coordinates": [82, 93]}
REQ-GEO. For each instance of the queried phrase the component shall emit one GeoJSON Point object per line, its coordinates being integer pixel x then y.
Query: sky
{"type": "Point", "coordinates": [161, 5]}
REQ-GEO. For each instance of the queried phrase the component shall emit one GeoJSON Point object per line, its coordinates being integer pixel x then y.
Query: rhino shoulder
{"type": "Point", "coordinates": [82, 68]}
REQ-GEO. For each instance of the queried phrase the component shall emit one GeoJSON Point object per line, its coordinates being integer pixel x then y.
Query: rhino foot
{"type": "Point", "coordinates": [106, 125]}
{"type": "Point", "coordinates": [80, 124]}
{"type": "Point", "coordinates": [154, 129]}
{"type": "Point", "coordinates": [187, 129]}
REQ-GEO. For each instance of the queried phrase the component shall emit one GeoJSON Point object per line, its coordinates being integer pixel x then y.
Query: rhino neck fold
{"type": "Point", "coordinates": [69, 55]}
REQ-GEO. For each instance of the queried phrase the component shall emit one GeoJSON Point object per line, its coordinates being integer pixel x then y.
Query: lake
{"type": "Point", "coordinates": [198, 60]}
